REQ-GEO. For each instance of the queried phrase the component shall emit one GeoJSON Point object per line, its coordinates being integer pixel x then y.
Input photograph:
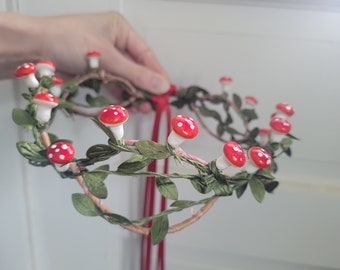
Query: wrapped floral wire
{"type": "Point", "coordinates": [254, 157]}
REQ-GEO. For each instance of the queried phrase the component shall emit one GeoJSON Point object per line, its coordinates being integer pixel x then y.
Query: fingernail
{"type": "Point", "coordinates": [159, 85]}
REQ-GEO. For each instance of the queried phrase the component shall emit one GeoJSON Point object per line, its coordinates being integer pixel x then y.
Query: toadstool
{"type": "Point", "coordinates": [258, 158]}
{"type": "Point", "coordinates": [284, 110]}
{"type": "Point", "coordinates": [26, 72]}
{"type": "Point", "coordinates": [225, 83]}
{"type": "Point", "coordinates": [279, 128]}
{"type": "Point", "coordinates": [93, 59]}
{"type": "Point", "coordinates": [56, 89]}
{"type": "Point", "coordinates": [183, 127]}
{"type": "Point", "coordinates": [45, 103]}
{"type": "Point", "coordinates": [233, 155]}
{"type": "Point", "coordinates": [45, 68]}
{"type": "Point", "coordinates": [60, 153]}
{"type": "Point", "coordinates": [114, 116]}
{"type": "Point", "coordinates": [251, 101]}
{"type": "Point", "coordinates": [263, 136]}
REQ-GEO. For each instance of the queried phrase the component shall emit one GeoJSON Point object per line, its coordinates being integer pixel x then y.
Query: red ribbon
{"type": "Point", "coordinates": [161, 105]}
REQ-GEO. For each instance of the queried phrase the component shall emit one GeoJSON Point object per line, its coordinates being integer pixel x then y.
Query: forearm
{"type": "Point", "coordinates": [18, 42]}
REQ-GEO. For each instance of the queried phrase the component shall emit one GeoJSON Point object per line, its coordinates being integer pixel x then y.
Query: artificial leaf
{"type": "Point", "coordinates": [95, 183]}
{"type": "Point", "coordinates": [31, 151]}
{"type": "Point", "coordinates": [222, 189]}
{"type": "Point", "coordinates": [249, 114]}
{"type": "Point", "coordinates": [232, 131]}
{"type": "Point", "coordinates": [183, 204]}
{"type": "Point", "coordinates": [98, 101]}
{"type": "Point", "coordinates": [159, 229]}
{"type": "Point", "coordinates": [46, 82]}
{"type": "Point", "coordinates": [135, 163]}
{"type": "Point", "coordinates": [167, 188]}
{"type": "Point", "coordinates": [237, 100]}
{"type": "Point", "coordinates": [94, 84]}
{"type": "Point", "coordinates": [240, 190]}
{"type": "Point", "coordinates": [209, 113]}
{"type": "Point", "coordinates": [106, 130]}
{"type": "Point", "coordinates": [23, 118]}
{"type": "Point", "coordinates": [265, 173]}
{"type": "Point", "coordinates": [116, 219]}
{"type": "Point", "coordinates": [84, 205]}
{"type": "Point", "coordinates": [270, 186]}
{"type": "Point", "coordinates": [203, 184]}
{"type": "Point", "coordinates": [220, 129]}
{"type": "Point", "coordinates": [286, 143]}
{"type": "Point", "coordinates": [257, 189]}
{"type": "Point", "coordinates": [100, 152]}
{"type": "Point", "coordinates": [152, 150]}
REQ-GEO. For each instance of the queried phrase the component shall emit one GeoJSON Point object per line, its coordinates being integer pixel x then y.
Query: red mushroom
{"type": "Point", "coordinates": [251, 101]}
{"type": "Point", "coordinates": [60, 153]}
{"type": "Point", "coordinates": [263, 136]}
{"type": "Point", "coordinates": [45, 68]}
{"type": "Point", "coordinates": [284, 110]}
{"type": "Point", "coordinates": [233, 155]}
{"type": "Point", "coordinates": [26, 72]}
{"type": "Point", "coordinates": [183, 127]}
{"type": "Point", "coordinates": [93, 59]}
{"type": "Point", "coordinates": [56, 89]}
{"type": "Point", "coordinates": [225, 83]}
{"type": "Point", "coordinates": [45, 103]}
{"type": "Point", "coordinates": [279, 128]}
{"type": "Point", "coordinates": [258, 159]}
{"type": "Point", "coordinates": [114, 116]}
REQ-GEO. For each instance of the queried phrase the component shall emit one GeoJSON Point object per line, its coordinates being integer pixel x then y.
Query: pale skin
{"type": "Point", "coordinates": [65, 40]}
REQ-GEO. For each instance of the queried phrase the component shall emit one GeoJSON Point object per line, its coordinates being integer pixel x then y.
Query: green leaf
{"type": "Point", "coordinates": [84, 205]}
{"type": "Point", "coordinates": [257, 189]}
{"type": "Point", "coordinates": [23, 118]}
{"type": "Point", "coordinates": [135, 163]}
{"type": "Point", "coordinates": [100, 152]}
{"type": "Point", "coordinates": [46, 82]}
{"type": "Point", "coordinates": [209, 113]}
{"type": "Point", "coordinates": [106, 130]}
{"type": "Point", "coordinates": [167, 188]}
{"type": "Point", "coordinates": [203, 184]}
{"type": "Point", "coordinates": [265, 173]}
{"type": "Point", "coordinates": [95, 183]}
{"type": "Point", "coordinates": [237, 100]}
{"type": "Point", "coordinates": [232, 131]}
{"type": "Point", "coordinates": [220, 129]}
{"type": "Point", "coordinates": [152, 150]}
{"type": "Point", "coordinates": [94, 84]}
{"type": "Point", "coordinates": [32, 152]}
{"type": "Point", "coordinates": [270, 186]}
{"type": "Point", "coordinates": [159, 229]}
{"type": "Point", "coordinates": [222, 189]}
{"type": "Point", "coordinates": [116, 219]}
{"type": "Point", "coordinates": [183, 204]}
{"type": "Point", "coordinates": [240, 190]}
{"type": "Point", "coordinates": [98, 101]}
{"type": "Point", "coordinates": [286, 143]}
{"type": "Point", "coordinates": [249, 114]}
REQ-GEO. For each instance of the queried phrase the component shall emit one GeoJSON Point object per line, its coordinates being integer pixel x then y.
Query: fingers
{"type": "Point", "coordinates": [138, 74]}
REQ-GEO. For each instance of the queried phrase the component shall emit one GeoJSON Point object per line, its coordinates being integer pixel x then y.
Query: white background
{"type": "Point", "coordinates": [274, 52]}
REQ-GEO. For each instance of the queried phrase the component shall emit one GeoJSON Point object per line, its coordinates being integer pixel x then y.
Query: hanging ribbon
{"type": "Point", "coordinates": [161, 104]}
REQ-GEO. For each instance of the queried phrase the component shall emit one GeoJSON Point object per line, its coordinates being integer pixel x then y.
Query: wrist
{"type": "Point", "coordinates": [19, 42]}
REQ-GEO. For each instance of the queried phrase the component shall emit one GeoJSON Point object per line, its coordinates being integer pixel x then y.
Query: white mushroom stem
{"type": "Point", "coordinates": [31, 81]}
{"type": "Point", "coordinates": [174, 139]}
{"type": "Point", "coordinates": [43, 113]}
{"type": "Point", "coordinates": [56, 90]}
{"type": "Point", "coordinates": [226, 88]}
{"type": "Point", "coordinates": [222, 163]}
{"type": "Point", "coordinates": [93, 62]}
{"type": "Point", "coordinates": [250, 167]}
{"type": "Point", "coordinates": [45, 71]}
{"type": "Point", "coordinates": [62, 167]}
{"type": "Point", "coordinates": [118, 131]}
{"type": "Point", "coordinates": [282, 115]}
{"type": "Point", "coordinates": [276, 136]}
{"type": "Point", "coordinates": [263, 139]}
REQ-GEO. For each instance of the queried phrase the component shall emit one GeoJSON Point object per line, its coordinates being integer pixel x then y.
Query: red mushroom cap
{"type": "Point", "coordinates": [226, 80]}
{"type": "Point", "coordinates": [57, 80]}
{"type": "Point", "coordinates": [47, 63]}
{"type": "Point", "coordinates": [285, 108]}
{"type": "Point", "coordinates": [25, 69]}
{"type": "Point", "coordinates": [113, 115]}
{"type": "Point", "coordinates": [234, 153]}
{"type": "Point", "coordinates": [280, 125]}
{"type": "Point", "coordinates": [264, 131]}
{"type": "Point", "coordinates": [260, 157]}
{"type": "Point", "coordinates": [93, 53]}
{"type": "Point", "coordinates": [252, 100]}
{"type": "Point", "coordinates": [60, 152]}
{"type": "Point", "coordinates": [184, 126]}
{"type": "Point", "coordinates": [45, 99]}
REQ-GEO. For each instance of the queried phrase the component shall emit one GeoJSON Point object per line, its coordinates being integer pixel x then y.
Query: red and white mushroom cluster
{"type": "Point", "coordinates": [279, 124]}
{"type": "Point", "coordinates": [235, 156]}
{"type": "Point", "coordinates": [60, 154]}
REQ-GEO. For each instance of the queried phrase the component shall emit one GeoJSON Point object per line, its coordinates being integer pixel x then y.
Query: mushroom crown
{"type": "Point", "coordinates": [225, 79]}
{"type": "Point", "coordinates": [113, 115]}
{"type": "Point", "coordinates": [264, 131]}
{"type": "Point", "coordinates": [93, 53]}
{"type": "Point", "coordinates": [45, 98]}
{"type": "Point", "coordinates": [57, 80]}
{"type": "Point", "coordinates": [280, 125]}
{"type": "Point", "coordinates": [285, 108]}
{"type": "Point", "coordinates": [60, 152]}
{"type": "Point", "coordinates": [184, 126]}
{"type": "Point", "coordinates": [46, 63]}
{"type": "Point", "coordinates": [25, 69]}
{"type": "Point", "coordinates": [260, 157]}
{"type": "Point", "coordinates": [251, 100]}
{"type": "Point", "coordinates": [234, 153]}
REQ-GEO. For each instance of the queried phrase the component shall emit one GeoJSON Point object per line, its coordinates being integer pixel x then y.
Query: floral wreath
{"type": "Point", "coordinates": [253, 151]}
